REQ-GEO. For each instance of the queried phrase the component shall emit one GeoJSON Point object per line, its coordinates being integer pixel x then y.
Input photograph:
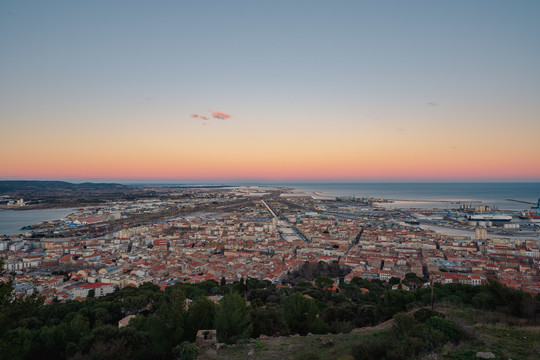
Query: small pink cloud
{"type": "Point", "coordinates": [148, 99]}
{"type": "Point", "coordinates": [220, 115]}
{"type": "Point", "coordinates": [216, 115]}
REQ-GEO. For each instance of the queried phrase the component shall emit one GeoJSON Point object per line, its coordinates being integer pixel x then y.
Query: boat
{"type": "Point", "coordinates": [533, 214]}
{"type": "Point", "coordinates": [530, 215]}
{"type": "Point", "coordinates": [493, 217]}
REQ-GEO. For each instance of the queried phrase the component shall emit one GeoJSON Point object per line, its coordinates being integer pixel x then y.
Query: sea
{"type": "Point", "coordinates": [434, 195]}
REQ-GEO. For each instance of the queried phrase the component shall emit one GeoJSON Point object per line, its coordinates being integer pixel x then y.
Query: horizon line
{"type": "Point", "coordinates": [270, 182]}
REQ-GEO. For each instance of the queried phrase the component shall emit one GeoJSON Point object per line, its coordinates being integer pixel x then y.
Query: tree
{"type": "Point", "coordinates": [233, 320]}
{"type": "Point", "coordinates": [76, 328]}
{"type": "Point", "coordinates": [200, 316]}
{"type": "Point", "coordinates": [324, 282]}
{"type": "Point", "coordinates": [269, 320]}
{"type": "Point", "coordinates": [366, 315]}
{"type": "Point", "coordinates": [516, 302]}
{"type": "Point", "coordinates": [166, 326]}
{"type": "Point", "coordinates": [208, 285]}
{"type": "Point", "coordinates": [172, 312]}
{"type": "Point", "coordinates": [300, 312]}
{"type": "Point", "coordinates": [108, 342]}
{"type": "Point", "coordinates": [395, 301]}
{"type": "Point", "coordinates": [413, 278]}
{"type": "Point", "coordinates": [483, 301]}
{"type": "Point", "coordinates": [242, 286]}
{"type": "Point", "coordinates": [133, 304]}
{"type": "Point", "coordinates": [339, 318]}
{"type": "Point", "coordinates": [13, 308]}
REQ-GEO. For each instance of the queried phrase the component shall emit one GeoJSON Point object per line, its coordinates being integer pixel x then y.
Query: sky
{"type": "Point", "coordinates": [270, 90]}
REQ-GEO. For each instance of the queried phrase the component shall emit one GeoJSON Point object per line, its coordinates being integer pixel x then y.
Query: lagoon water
{"type": "Point", "coordinates": [11, 221]}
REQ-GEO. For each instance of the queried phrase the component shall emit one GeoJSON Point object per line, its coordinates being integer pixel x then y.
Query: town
{"type": "Point", "coordinates": [225, 234]}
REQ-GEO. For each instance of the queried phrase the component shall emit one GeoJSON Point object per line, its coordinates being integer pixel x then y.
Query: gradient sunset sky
{"type": "Point", "coordinates": [270, 90]}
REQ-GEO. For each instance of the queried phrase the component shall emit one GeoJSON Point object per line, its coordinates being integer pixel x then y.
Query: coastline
{"type": "Point", "coordinates": [480, 193]}
{"type": "Point", "coordinates": [12, 223]}
{"type": "Point", "coordinates": [44, 207]}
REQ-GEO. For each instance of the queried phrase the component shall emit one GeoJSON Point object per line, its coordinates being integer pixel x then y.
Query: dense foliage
{"type": "Point", "coordinates": [165, 326]}
{"type": "Point", "coordinates": [409, 337]}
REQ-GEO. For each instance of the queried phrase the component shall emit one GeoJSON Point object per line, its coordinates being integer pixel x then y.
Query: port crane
{"type": "Point", "coordinates": [535, 209]}
{"type": "Point", "coordinates": [527, 202]}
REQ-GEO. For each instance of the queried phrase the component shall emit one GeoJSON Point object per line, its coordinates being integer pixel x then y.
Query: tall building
{"type": "Point", "coordinates": [481, 233]}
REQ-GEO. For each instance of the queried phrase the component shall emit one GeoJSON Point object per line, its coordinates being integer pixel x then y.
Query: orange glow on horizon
{"type": "Point", "coordinates": [234, 149]}
{"type": "Point", "coordinates": [286, 171]}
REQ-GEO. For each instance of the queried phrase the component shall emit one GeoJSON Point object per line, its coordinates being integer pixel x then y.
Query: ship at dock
{"type": "Point", "coordinates": [533, 214]}
{"type": "Point", "coordinates": [530, 215]}
{"type": "Point", "coordinates": [492, 217]}
{"type": "Point", "coordinates": [484, 214]}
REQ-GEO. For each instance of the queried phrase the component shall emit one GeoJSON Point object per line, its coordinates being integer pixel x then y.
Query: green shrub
{"type": "Point", "coordinates": [341, 327]}
{"type": "Point", "coordinates": [373, 348]}
{"type": "Point", "coordinates": [404, 325]}
{"type": "Point", "coordinates": [186, 351]}
{"type": "Point", "coordinates": [447, 327]}
{"type": "Point", "coordinates": [406, 348]}
{"type": "Point", "coordinates": [421, 315]}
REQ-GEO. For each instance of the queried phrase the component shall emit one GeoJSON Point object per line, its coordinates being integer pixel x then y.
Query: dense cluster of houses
{"type": "Point", "coordinates": [250, 242]}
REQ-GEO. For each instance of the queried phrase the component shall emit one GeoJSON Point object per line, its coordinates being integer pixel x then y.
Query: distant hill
{"type": "Point", "coordinates": [36, 185]}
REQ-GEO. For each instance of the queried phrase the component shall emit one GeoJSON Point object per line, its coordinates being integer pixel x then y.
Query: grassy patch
{"type": "Point", "coordinates": [504, 342]}
{"type": "Point", "coordinates": [464, 354]}
{"type": "Point", "coordinates": [484, 334]}
{"type": "Point", "coordinates": [325, 347]}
